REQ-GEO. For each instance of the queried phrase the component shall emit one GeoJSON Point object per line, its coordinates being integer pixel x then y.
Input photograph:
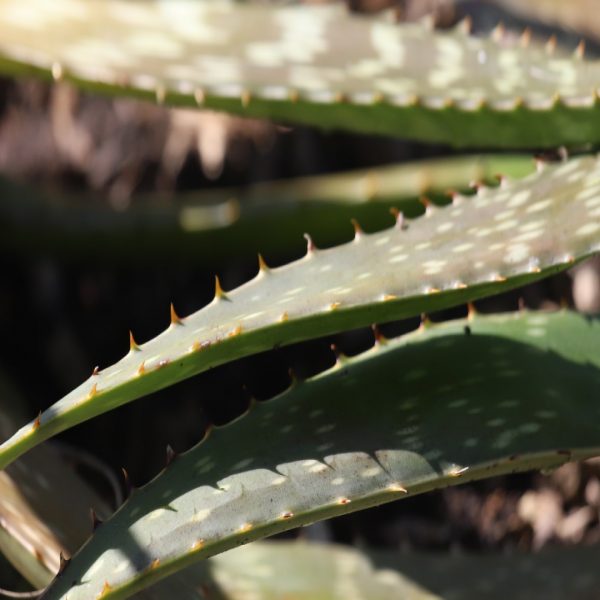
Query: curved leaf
{"type": "Point", "coordinates": [510, 393]}
{"type": "Point", "coordinates": [296, 63]}
{"type": "Point", "coordinates": [44, 504]}
{"type": "Point", "coordinates": [202, 226]}
{"type": "Point", "coordinates": [498, 240]}
{"type": "Point", "coordinates": [310, 571]}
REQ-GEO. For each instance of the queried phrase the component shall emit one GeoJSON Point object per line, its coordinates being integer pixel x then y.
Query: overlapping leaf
{"type": "Point", "coordinates": [456, 402]}
{"type": "Point", "coordinates": [495, 241]}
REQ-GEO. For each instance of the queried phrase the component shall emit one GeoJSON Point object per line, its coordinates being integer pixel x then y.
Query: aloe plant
{"type": "Point", "coordinates": [508, 393]}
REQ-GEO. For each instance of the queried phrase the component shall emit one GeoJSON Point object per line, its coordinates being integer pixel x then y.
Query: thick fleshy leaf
{"type": "Point", "coordinates": [317, 65]}
{"type": "Point", "coordinates": [44, 504]}
{"type": "Point", "coordinates": [450, 403]}
{"type": "Point", "coordinates": [201, 226]}
{"type": "Point", "coordinates": [495, 241]}
{"type": "Point", "coordinates": [310, 571]}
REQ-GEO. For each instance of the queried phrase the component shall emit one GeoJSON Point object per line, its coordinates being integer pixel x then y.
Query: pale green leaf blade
{"type": "Point", "coordinates": [296, 63]}
{"type": "Point", "coordinates": [453, 403]}
{"type": "Point", "coordinates": [495, 241]}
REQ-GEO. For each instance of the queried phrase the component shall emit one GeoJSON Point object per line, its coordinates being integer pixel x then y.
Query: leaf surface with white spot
{"type": "Point", "coordinates": [295, 63]}
{"type": "Point", "coordinates": [448, 404]}
{"type": "Point", "coordinates": [481, 245]}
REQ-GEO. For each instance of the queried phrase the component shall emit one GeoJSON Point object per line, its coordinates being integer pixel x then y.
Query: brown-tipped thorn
{"type": "Point", "coordinates": [465, 25]}
{"type": "Point", "coordinates": [93, 391]}
{"type": "Point", "coordinates": [37, 422]}
{"type": "Point", "coordinates": [551, 44]}
{"type": "Point", "coordinates": [127, 481]}
{"type": "Point", "coordinates": [358, 232]}
{"type": "Point", "coordinates": [525, 38]}
{"type": "Point", "coordinates": [106, 589]}
{"type": "Point", "coordinates": [339, 356]}
{"type": "Point", "coordinates": [471, 311]}
{"type": "Point", "coordinates": [399, 216]}
{"type": "Point", "coordinates": [499, 32]}
{"type": "Point", "coordinates": [63, 564]}
{"type": "Point", "coordinates": [219, 293]}
{"type": "Point", "coordinates": [580, 50]}
{"type": "Point", "coordinates": [133, 347]}
{"type": "Point", "coordinates": [426, 202]}
{"type": "Point", "coordinates": [154, 564]}
{"type": "Point", "coordinates": [310, 245]}
{"type": "Point", "coordinates": [96, 522]}
{"type": "Point", "coordinates": [175, 320]}
{"type": "Point", "coordinates": [425, 322]}
{"type": "Point", "coordinates": [263, 267]}
{"type": "Point", "coordinates": [378, 335]}
{"type": "Point", "coordinates": [142, 368]}
{"type": "Point", "coordinates": [171, 455]}
{"type": "Point", "coordinates": [95, 371]}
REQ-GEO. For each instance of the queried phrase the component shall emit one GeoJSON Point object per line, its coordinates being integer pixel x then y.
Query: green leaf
{"type": "Point", "coordinates": [311, 571]}
{"type": "Point", "coordinates": [202, 226]}
{"type": "Point", "coordinates": [456, 402]}
{"type": "Point", "coordinates": [44, 503]}
{"type": "Point", "coordinates": [290, 570]}
{"type": "Point", "coordinates": [296, 64]}
{"type": "Point", "coordinates": [498, 240]}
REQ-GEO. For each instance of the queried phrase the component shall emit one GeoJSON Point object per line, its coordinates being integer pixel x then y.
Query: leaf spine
{"type": "Point", "coordinates": [64, 563]}
{"type": "Point", "coordinates": [358, 232]}
{"type": "Point", "coordinates": [142, 368]}
{"type": "Point", "coordinates": [95, 371]}
{"type": "Point", "coordinates": [263, 267]}
{"type": "Point", "coordinates": [133, 347]}
{"type": "Point", "coordinates": [171, 455]}
{"type": "Point", "coordinates": [93, 391]}
{"type": "Point", "coordinates": [396, 487]}
{"type": "Point", "coordinates": [175, 320]}
{"type": "Point", "coordinates": [310, 245]}
{"type": "Point", "coordinates": [525, 38]}
{"type": "Point", "coordinates": [551, 44]}
{"type": "Point", "coordinates": [106, 589]}
{"type": "Point", "coordinates": [96, 522]}
{"type": "Point", "coordinates": [580, 50]}
{"type": "Point", "coordinates": [219, 293]}
{"type": "Point", "coordinates": [37, 422]}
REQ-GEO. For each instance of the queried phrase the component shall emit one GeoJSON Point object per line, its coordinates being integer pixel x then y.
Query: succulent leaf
{"type": "Point", "coordinates": [311, 571]}
{"type": "Point", "coordinates": [447, 404]}
{"type": "Point", "coordinates": [212, 223]}
{"type": "Point", "coordinates": [44, 504]}
{"type": "Point", "coordinates": [295, 63]}
{"type": "Point", "coordinates": [497, 240]}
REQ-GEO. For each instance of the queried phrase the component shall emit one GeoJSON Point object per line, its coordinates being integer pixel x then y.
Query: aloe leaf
{"type": "Point", "coordinates": [312, 571]}
{"type": "Point", "coordinates": [296, 64]}
{"type": "Point", "coordinates": [44, 504]}
{"type": "Point", "coordinates": [510, 393]}
{"type": "Point", "coordinates": [198, 226]}
{"type": "Point", "coordinates": [498, 240]}
{"type": "Point", "coordinates": [290, 570]}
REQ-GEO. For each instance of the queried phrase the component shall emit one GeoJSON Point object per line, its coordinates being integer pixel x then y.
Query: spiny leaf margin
{"type": "Point", "coordinates": [495, 241]}
{"type": "Point", "coordinates": [295, 64]}
{"type": "Point", "coordinates": [322, 449]}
